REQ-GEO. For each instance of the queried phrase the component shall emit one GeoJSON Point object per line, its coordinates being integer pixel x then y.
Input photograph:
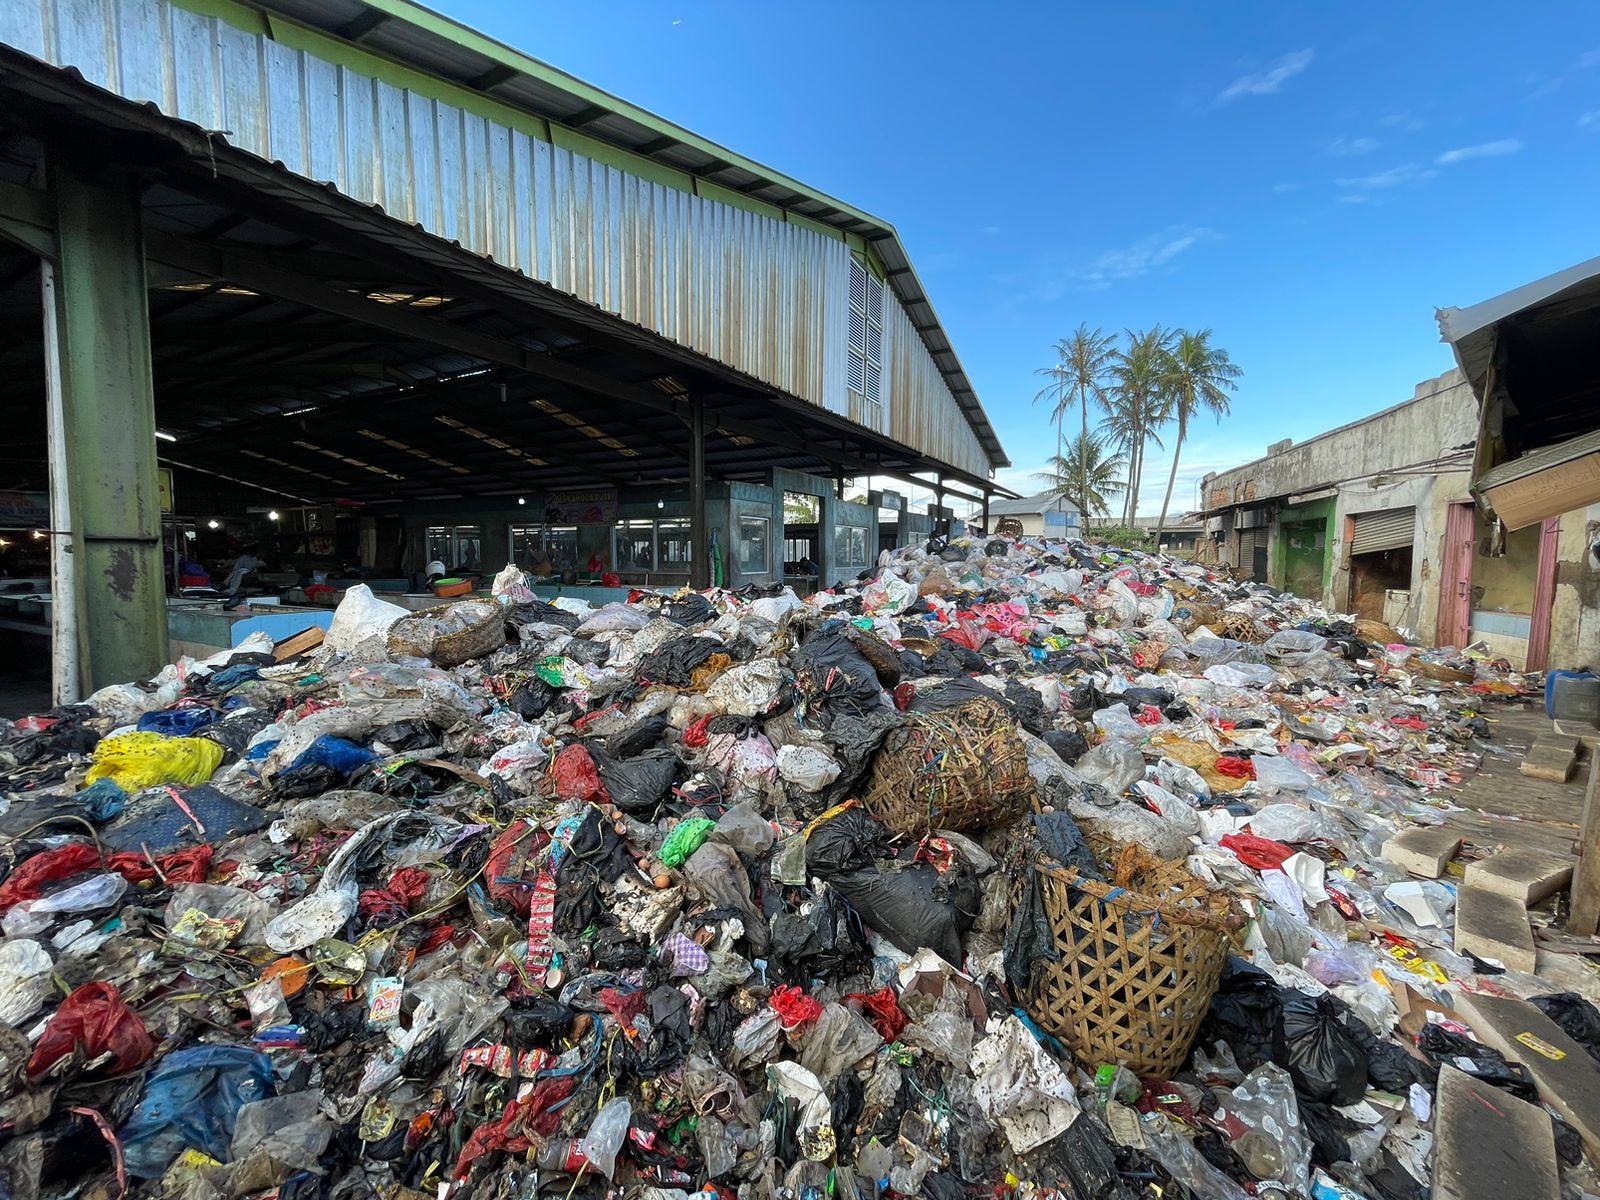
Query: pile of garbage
{"type": "Point", "coordinates": [1013, 867]}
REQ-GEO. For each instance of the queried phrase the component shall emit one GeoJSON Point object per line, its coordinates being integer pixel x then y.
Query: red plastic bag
{"type": "Point", "coordinates": [696, 735]}
{"type": "Point", "coordinates": [1258, 853]}
{"type": "Point", "coordinates": [181, 866]}
{"type": "Point", "coordinates": [967, 633]}
{"type": "Point", "coordinates": [574, 776]}
{"type": "Point", "coordinates": [28, 881]}
{"type": "Point", "coordinates": [507, 875]}
{"type": "Point", "coordinates": [1237, 768]}
{"type": "Point", "coordinates": [794, 1007]}
{"type": "Point", "coordinates": [882, 1009]}
{"type": "Point", "coordinates": [95, 1021]}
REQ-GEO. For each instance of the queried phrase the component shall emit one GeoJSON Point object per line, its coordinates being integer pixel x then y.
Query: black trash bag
{"type": "Point", "coordinates": [638, 738]}
{"type": "Point", "coordinates": [947, 695]}
{"type": "Point", "coordinates": [1061, 839]}
{"type": "Point", "coordinates": [1027, 706]}
{"type": "Point", "coordinates": [1312, 1044]}
{"type": "Point", "coordinates": [234, 735]}
{"type": "Point", "coordinates": [914, 906]}
{"type": "Point", "coordinates": [824, 942]}
{"type": "Point", "coordinates": [591, 653]}
{"type": "Point", "coordinates": [637, 785]}
{"type": "Point", "coordinates": [836, 679]}
{"type": "Point", "coordinates": [614, 950]}
{"type": "Point", "coordinates": [1069, 744]}
{"type": "Point", "coordinates": [1389, 1067]}
{"type": "Point", "coordinates": [692, 609]}
{"type": "Point", "coordinates": [850, 841]}
{"type": "Point", "coordinates": [1138, 697]}
{"type": "Point", "coordinates": [674, 664]}
{"type": "Point", "coordinates": [407, 735]}
{"type": "Point", "coordinates": [1578, 1019]}
{"type": "Point", "coordinates": [1328, 1132]}
{"type": "Point", "coordinates": [537, 1021]}
{"type": "Point", "coordinates": [533, 699]}
{"type": "Point", "coordinates": [1244, 1013]}
{"type": "Point", "coordinates": [537, 612]}
{"type": "Point", "coordinates": [1030, 939]}
{"type": "Point", "coordinates": [1444, 1048]}
{"type": "Point", "coordinates": [853, 741]}
{"type": "Point", "coordinates": [1569, 1142]}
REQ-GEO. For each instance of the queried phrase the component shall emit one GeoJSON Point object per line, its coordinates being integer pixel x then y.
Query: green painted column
{"type": "Point", "coordinates": [97, 354]}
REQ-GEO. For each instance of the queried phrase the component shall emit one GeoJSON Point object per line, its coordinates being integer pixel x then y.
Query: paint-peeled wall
{"type": "Point", "coordinates": [1575, 612]}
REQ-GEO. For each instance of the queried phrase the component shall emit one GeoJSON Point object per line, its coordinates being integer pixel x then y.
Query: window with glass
{"type": "Point", "coordinates": [534, 545]}
{"type": "Point", "coordinates": [753, 544]}
{"type": "Point", "coordinates": [458, 547]}
{"type": "Point", "coordinates": [673, 543]}
{"type": "Point", "coordinates": [633, 545]}
{"type": "Point", "coordinates": [850, 547]}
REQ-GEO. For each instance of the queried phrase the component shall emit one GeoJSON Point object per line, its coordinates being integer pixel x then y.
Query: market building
{"type": "Point", "coordinates": [352, 285]}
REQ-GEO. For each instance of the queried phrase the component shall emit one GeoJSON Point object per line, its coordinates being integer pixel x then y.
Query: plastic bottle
{"type": "Point", "coordinates": [562, 1156]}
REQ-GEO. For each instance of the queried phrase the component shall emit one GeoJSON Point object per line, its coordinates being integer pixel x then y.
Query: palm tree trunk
{"type": "Point", "coordinates": [1171, 479]}
{"type": "Point", "coordinates": [1083, 461]}
{"type": "Point", "coordinates": [1138, 470]}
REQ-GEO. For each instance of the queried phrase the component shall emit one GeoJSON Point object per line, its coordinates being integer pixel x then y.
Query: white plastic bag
{"type": "Point", "coordinates": [747, 690]}
{"type": "Point", "coordinates": [359, 617]}
{"type": "Point", "coordinates": [614, 618]}
{"type": "Point", "coordinates": [806, 767]}
{"type": "Point", "coordinates": [511, 586]}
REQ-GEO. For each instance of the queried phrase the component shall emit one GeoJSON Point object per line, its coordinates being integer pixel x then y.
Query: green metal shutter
{"type": "Point", "coordinates": [1387, 529]}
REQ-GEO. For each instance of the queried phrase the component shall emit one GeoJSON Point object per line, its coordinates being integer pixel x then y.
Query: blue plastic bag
{"type": "Point", "coordinates": [192, 1099]}
{"type": "Point", "coordinates": [177, 722]}
{"type": "Point", "coordinates": [102, 800]}
{"type": "Point", "coordinates": [329, 750]}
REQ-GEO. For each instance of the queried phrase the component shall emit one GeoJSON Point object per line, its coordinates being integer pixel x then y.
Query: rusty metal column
{"type": "Point", "coordinates": [102, 406]}
{"type": "Point", "coordinates": [699, 540]}
{"type": "Point", "coordinates": [986, 528]}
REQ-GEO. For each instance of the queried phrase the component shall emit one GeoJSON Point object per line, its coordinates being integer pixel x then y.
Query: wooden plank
{"type": "Point", "coordinates": [1585, 918]}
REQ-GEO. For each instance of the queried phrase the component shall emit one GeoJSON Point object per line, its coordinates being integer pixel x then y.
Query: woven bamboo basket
{"type": "Point", "coordinates": [483, 636]}
{"type": "Point", "coordinates": [962, 768]}
{"type": "Point", "coordinates": [1438, 672]}
{"type": "Point", "coordinates": [1140, 960]}
{"type": "Point", "coordinates": [1189, 615]}
{"type": "Point", "coordinates": [1238, 626]}
{"type": "Point", "coordinates": [1369, 630]}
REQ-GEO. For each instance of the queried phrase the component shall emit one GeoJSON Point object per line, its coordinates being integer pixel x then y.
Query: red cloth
{"type": "Point", "coordinates": [95, 1020]}
{"type": "Point", "coordinates": [574, 777]}
{"type": "Point", "coordinates": [28, 881]}
{"type": "Point", "coordinates": [882, 1008]}
{"type": "Point", "coordinates": [794, 1007]}
{"type": "Point", "coordinates": [407, 884]}
{"type": "Point", "coordinates": [1259, 853]}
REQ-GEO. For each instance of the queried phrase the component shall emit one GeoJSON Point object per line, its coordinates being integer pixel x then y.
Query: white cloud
{"type": "Point", "coordinates": [990, 230]}
{"type": "Point", "coordinates": [1589, 58]}
{"type": "Point", "coordinates": [1144, 256]}
{"type": "Point", "coordinates": [1402, 120]}
{"type": "Point", "coordinates": [1354, 198]}
{"type": "Point", "coordinates": [1281, 188]}
{"type": "Point", "coordinates": [1344, 147]}
{"type": "Point", "coordinates": [1405, 173]}
{"type": "Point", "coordinates": [1589, 120]}
{"type": "Point", "coordinates": [1482, 150]}
{"type": "Point", "coordinates": [1265, 83]}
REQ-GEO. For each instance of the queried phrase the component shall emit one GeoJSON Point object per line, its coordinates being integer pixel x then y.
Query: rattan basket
{"type": "Point", "coordinates": [484, 636]}
{"type": "Point", "coordinates": [1376, 632]}
{"type": "Point", "coordinates": [1437, 672]}
{"type": "Point", "coordinates": [1241, 627]}
{"type": "Point", "coordinates": [1140, 960]}
{"type": "Point", "coordinates": [962, 768]}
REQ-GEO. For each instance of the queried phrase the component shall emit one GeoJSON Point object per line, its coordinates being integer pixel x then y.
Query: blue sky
{"type": "Point", "coordinates": [1310, 181]}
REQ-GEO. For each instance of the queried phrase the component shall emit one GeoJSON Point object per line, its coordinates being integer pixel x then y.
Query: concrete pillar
{"type": "Point", "coordinates": [111, 621]}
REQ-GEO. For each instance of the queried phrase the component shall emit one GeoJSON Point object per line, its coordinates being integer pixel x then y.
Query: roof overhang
{"type": "Point", "coordinates": [415, 35]}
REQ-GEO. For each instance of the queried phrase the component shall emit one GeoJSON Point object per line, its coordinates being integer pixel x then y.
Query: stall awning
{"type": "Point", "coordinates": [1385, 529]}
{"type": "Point", "coordinates": [1545, 482]}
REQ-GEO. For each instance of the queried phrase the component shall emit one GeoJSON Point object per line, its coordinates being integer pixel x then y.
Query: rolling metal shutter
{"type": "Point", "coordinates": [1388, 529]}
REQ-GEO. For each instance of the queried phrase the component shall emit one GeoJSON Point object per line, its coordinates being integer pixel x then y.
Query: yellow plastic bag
{"type": "Point", "coordinates": [141, 760]}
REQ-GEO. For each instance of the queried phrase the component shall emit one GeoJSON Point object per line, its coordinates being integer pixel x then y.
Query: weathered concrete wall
{"type": "Point", "coordinates": [1440, 417]}
{"type": "Point", "coordinates": [1575, 614]}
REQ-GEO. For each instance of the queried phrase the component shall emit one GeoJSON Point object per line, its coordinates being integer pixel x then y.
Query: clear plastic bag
{"type": "Point", "coordinates": [1115, 765]}
{"type": "Point", "coordinates": [1265, 1103]}
{"type": "Point", "coordinates": [606, 1134]}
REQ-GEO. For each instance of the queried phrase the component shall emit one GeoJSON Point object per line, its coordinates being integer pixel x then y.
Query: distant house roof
{"type": "Point", "coordinates": [1034, 505]}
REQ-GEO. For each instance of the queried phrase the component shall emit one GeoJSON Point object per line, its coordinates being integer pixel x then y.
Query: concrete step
{"type": "Point", "coordinates": [1567, 1078]}
{"type": "Point", "coordinates": [1494, 926]}
{"type": "Point", "coordinates": [1423, 850]}
{"type": "Point", "coordinates": [1525, 875]}
{"type": "Point", "coordinates": [1488, 1145]}
{"type": "Point", "coordinates": [1551, 758]}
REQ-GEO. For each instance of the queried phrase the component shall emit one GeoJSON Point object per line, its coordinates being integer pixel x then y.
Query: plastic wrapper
{"type": "Point", "coordinates": [1265, 1104]}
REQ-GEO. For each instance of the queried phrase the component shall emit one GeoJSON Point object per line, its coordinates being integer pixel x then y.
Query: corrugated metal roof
{"type": "Point", "coordinates": [443, 47]}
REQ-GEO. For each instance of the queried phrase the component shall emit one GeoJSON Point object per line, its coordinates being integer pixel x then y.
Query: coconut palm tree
{"type": "Point", "coordinates": [1079, 374]}
{"type": "Point", "coordinates": [1195, 375]}
{"type": "Point", "coordinates": [1138, 405]}
{"type": "Point", "coordinates": [1088, 467]}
